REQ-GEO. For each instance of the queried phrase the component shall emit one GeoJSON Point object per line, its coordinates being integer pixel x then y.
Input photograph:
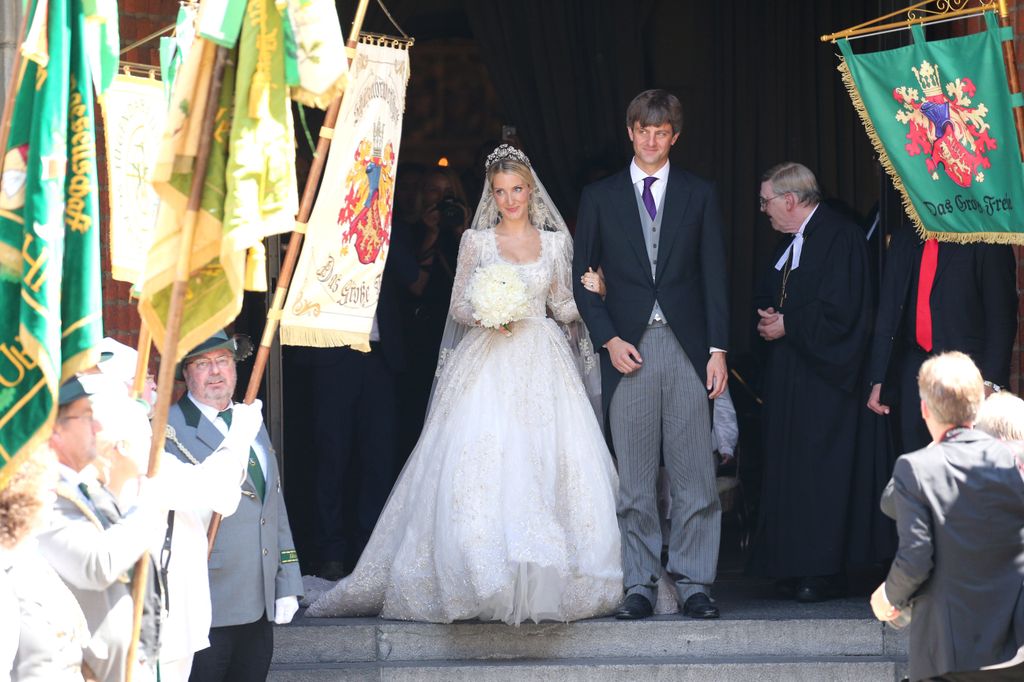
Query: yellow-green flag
{"type": "Point", "coordinates": [49, 230]}
{"type": "Point", "coordinates": [249, 190]}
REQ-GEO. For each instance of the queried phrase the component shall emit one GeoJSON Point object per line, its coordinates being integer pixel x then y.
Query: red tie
{"type": "Point", "coordinates": [929, 261]}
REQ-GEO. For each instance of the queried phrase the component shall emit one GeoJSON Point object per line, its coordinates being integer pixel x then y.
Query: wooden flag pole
{"type": "Point", "coordinates": [291, 257]}
{"type": "Point", "coordinates": [1010, 57]}
{"type": "Point", "coordinates": [142, 361]}
{"type": "Point", "coordinates": [17, 73]}
{"type": "Point", "coordinates": [176, 309]}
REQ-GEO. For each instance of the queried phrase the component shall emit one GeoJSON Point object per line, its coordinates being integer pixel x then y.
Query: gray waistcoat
{"type": "Point", "coordinates": [652, 233]}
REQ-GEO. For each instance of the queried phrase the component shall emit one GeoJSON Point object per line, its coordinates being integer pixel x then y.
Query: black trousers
{"type": "Point", "coordinates": [913, 431]}
{"type": "Point", "coordinates": [356, 439]}
{"type": "Point", "coordinates": [237, 653]}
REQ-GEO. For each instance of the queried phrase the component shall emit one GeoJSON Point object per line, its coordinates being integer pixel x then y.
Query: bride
{"type": "Point", "coordinates": [506, 507]}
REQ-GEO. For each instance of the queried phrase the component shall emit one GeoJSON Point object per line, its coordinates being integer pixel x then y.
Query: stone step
{"type": "Point", "coordinates": [729, 669]}
{"type": "Point", "coordinates": [759, 637]}
{"type": "Point", "coordinates": [778, 634]}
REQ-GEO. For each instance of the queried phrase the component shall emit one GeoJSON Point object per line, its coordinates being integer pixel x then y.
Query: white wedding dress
{"type": "Point", "coordinates": [506, 507]}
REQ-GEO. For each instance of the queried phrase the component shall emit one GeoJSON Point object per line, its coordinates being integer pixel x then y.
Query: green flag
{"type": "Point", "coordinates": [939, 114]}
{"type": "Point", "coordinates": [49, 231]}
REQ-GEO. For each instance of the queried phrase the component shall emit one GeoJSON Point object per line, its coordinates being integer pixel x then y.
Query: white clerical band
{"type": "Point", "coordinates": [796, 246]}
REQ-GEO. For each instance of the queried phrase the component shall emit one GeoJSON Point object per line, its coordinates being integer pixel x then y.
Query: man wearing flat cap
{"type": "Point", "coordinates": [253, 569]}
{"type": "Point", "coordinates": [92, 544]}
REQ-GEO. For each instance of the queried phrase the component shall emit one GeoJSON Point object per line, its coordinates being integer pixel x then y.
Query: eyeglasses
{"type": "Point", "coordinates": [204, 364]}
{"type": "Point", "coordinates": [764, 201]}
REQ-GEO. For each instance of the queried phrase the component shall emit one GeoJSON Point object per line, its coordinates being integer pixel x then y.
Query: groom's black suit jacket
{"type": "Point", "coordinates": [690, 281]}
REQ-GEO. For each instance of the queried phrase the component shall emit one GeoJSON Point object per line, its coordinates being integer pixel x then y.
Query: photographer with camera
{"type": "Point", "coordinates": [443, 218]}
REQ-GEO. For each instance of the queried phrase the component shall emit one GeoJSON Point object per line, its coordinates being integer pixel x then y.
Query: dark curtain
{"type": "Point", "coordinates": [760, 88]}
{"type": "Point", "coordinates": [564, 71]}
{"type": "Point", "coordinates": [757, 85]}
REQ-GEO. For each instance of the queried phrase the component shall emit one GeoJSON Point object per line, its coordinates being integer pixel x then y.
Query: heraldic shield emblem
{"type": "Point", "coordinates": [947, 127]}
{"type": "Point", "coordinates": [366, 213]}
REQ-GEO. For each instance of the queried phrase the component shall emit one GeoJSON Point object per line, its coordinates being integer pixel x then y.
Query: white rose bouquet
{"type": "Point", "coordinates": [498, 295]}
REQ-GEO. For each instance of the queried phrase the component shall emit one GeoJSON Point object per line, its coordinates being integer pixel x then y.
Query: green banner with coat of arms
{"type": "Point", "coordinates": [940, 115]}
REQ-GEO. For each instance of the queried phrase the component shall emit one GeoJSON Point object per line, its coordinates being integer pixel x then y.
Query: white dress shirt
{"type": "Point", "coordinates": [657, 188]}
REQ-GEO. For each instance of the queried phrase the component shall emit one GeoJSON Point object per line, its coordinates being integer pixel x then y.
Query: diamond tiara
{"type": "Point", "coordinates": [506, 151]}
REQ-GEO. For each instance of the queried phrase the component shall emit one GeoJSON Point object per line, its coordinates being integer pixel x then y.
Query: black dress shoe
{"type": "Point", "coordinates": [815, 589]}
{"type": "Point", "coordinates": [786, 587]}
{"type": "Point", "coordinates": [699, 606]}
{"type": "Point", "coordinates": [635, 607]}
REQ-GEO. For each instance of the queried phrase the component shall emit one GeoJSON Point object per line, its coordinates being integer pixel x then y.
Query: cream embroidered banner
{"type": "Point", "coordinates": [333, 296]}
{"type": "Point", "coordinates": [134, 110]}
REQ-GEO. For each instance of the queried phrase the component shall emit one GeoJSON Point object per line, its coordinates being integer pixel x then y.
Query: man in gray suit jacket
{"type": "Point", "coordinates": [254, 572]}
{"type": "Point", "coordinates": [92, 544]}
{"type": "Point", "coordinates": [958, 505]}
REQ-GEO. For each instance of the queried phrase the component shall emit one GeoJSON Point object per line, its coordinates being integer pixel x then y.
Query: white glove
{"type": "Point", "coordinates": [285, 609]}
{"type": "Point", "coordinates": [246, 421]}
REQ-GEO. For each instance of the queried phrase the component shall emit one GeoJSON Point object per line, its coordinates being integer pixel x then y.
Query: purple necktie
{"type": "Point", "coordinates": [652, 208]}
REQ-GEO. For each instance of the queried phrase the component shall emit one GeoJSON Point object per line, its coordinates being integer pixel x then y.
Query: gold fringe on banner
{"type": "Point", "coordinates": [897, 181]}
{"type": "Point", "coordinates": [322, 338]}
{"type": "Point", "coordinates": [876, 142]}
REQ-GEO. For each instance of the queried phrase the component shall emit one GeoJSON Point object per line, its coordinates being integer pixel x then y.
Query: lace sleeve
{"type": "Point", "coordinates": [560, 299]}
{"type": "Point", "coordinates": [469, 258]}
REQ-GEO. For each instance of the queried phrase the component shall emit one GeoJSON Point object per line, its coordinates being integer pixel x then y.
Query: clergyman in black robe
{"type": "Point", "coordinates": [812, 308]}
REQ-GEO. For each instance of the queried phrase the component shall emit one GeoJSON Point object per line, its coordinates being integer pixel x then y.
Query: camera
{"type": "Point", "coordinates": [451, 212]}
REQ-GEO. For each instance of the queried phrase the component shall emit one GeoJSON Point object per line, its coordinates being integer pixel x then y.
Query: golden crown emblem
{"type": "Point", "coordinates": [378, 139]}
{"type": "Point", "coordinates": [928, 78]}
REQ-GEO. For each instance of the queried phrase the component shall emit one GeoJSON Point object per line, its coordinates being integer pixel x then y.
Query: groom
{"type": "Point", "coordinates": [656, 232]}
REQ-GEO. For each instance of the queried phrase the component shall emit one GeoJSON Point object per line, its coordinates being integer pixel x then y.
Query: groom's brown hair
{"type": "Point", "coordinates": [654, 107]}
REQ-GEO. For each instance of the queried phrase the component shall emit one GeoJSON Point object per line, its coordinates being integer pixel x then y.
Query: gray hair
{"type": "Point", "coordinates": [1002, 416]}
{"type": "Point", "coordinates": [794, 178]}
